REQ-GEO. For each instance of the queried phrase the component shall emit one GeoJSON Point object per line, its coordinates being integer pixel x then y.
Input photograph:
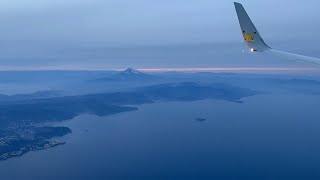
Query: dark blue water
{"type": "Point", "coordinates": [267, 137]}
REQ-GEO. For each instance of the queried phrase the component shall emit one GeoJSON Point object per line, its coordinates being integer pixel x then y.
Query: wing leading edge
{"type": "Point", "coordinates": [256, 43]}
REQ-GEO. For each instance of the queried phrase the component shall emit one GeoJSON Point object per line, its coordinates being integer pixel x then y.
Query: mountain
{"type": "Point", "coordinates": [129, 74]}
{"type": "Point", "coordinates": [190, 91]}
{"type": "Point", "coordinates": [39, 110]}
{"type": "Point", "coordinates": [35, 95]}
{"type": "Point", "coordinates": [131, 71]}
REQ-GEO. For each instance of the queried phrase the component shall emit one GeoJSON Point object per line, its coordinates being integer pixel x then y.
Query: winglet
{"type": "Point", "coordinates": [250, 33]}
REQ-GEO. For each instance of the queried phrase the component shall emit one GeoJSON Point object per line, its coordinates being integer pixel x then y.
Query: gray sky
{"type": "Point", "coordinates": [81, 32]}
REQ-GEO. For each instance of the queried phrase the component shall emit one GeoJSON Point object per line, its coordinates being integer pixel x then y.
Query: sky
{"type": "Point", "coordinates": [150, 33]}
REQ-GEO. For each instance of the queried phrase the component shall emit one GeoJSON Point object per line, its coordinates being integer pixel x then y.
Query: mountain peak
{"type": "Point", "coordinates": [131, 71]}
{"type": "Point", "coordinates": [129, 74]}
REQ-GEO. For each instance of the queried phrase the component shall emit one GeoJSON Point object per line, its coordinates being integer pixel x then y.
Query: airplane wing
{"type": "Point", "coordinates": [256, 43]}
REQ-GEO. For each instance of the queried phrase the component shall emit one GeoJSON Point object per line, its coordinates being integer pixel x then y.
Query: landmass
{"type": "Point", "coordinates": [29, 112]}
{"type": "Point", "coordinates": [20, 118]}
{"type": "Point", "coordinates": [23, 115]}
{"type": "Point", "coordinates": [18, 142]}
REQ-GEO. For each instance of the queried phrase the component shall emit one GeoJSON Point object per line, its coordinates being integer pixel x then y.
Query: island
{"type": "Point", "coordinates": [200, 119]}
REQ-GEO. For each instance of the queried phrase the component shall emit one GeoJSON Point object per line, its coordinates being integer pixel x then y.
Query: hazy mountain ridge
{"type": "Point", "coordinates": [129, 74]}
{"type": "Point", "coordinates": [62, 108]}
{"type": "Point", "coordinates": [35, 95]}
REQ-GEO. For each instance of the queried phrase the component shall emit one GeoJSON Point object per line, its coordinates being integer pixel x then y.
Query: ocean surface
{"type": "Point", "coordinates": [274, 136]}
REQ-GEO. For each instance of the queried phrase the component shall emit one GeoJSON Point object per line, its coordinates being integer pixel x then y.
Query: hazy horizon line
{"type": "Point", "coordinates": [173, 69]}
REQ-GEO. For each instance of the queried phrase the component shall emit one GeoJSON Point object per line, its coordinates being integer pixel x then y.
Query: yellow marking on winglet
{"type": "Point", "coordinates": [248, 37]}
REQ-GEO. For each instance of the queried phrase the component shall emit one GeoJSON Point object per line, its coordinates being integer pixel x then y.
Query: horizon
{"type": "Point", "coordinates": [257, 70]}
